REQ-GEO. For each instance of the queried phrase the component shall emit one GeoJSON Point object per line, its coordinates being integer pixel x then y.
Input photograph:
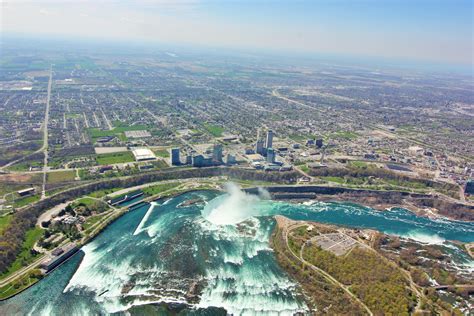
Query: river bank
{"type": "Point", "coordinates": [427, 205]}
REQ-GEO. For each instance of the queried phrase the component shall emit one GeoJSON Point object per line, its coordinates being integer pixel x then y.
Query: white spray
{"type": "Point", "coordinates": [235, 207]}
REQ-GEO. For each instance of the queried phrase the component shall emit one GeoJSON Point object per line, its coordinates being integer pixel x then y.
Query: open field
{"type": "Point", "coordinates": [214, 130]}
{"type": "Point", "coordinates": [112, 158]}
{"type": "Point", "coordinates": [60, 176]}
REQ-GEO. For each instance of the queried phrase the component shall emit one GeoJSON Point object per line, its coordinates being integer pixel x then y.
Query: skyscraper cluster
{"type": "Point", "coordinates": [264, 147]}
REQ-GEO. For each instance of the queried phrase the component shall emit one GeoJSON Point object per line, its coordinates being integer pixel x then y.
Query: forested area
{"type": "Point", "coordinates": [382, 287]}
{"type": "Point", "coordinates": [320, 294]}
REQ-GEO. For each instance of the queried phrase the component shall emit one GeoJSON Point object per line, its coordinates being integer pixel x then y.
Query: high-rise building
{"type": "Point", "coordinates": [175, 157]}
{"type": "Point", "coordinates": [217, 153]}
{"type": "Point", "coordinates": [270, 155]}
{"type": "Point", "coordinates": [259, 147]}
{"type": "Point", "coordinates": [230, 159]}
{"type": "Point", "coordinates": [269, 142]}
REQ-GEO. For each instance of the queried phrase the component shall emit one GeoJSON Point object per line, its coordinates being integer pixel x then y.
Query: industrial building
{"type": "Point", "coordinates": [27, 191]}
{"type": "Point", "coordinates": [142, 154]}
{"type": "Point", "coordinates": [125, 198]}
{"type": "Point", "coordinates": [62, 254]}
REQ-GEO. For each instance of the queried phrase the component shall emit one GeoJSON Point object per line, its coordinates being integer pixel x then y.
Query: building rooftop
{"type": "Point", "coordinates": [143, 154]}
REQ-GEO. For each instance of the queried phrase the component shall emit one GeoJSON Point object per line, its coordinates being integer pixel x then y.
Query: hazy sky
{"type": "Point", "coordinates": [431, 30]}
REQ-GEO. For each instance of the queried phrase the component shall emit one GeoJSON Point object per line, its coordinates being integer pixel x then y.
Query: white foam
{"type": "Point", "coordinates": [433, 239]}
{"type": "Point", "coordinates": [145, 218]}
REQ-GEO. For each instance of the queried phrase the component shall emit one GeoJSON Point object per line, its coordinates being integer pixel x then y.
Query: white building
{"type": "Point", "coordinates": [142, 154]}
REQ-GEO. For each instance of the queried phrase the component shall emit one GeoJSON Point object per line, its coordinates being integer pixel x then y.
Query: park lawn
{"type": "Point", "coordinates": [26, 200]}
{"type": "Point", "coordinates": [25, 257]}
{"type": "Point", "coordinates": [112, 158]}
{"type": "Point", "coordinates": [4, 221]}
{"type": "Point", "coordinates": [91, 220]}
{"type": "Point", "coordinates": [214, 130]}
{"type": "Point", "coordinates": [86, 201]}
{"type": "Point", "coordinates": [162, 153]}
{"type": "Point", "coordinates": [61, 176]}
{"type": "Point", "coordinates": [155, 189]}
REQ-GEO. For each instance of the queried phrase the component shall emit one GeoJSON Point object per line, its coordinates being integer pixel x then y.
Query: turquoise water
{"type": "Point", "coordinates": [160, 252]}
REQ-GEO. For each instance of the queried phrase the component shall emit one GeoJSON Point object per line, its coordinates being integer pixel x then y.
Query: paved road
{"type": "Point", "coordinates": [45, 133]}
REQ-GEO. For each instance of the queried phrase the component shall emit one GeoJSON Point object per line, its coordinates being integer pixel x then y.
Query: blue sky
{"type": "Point", "coordinates": [428, 30]}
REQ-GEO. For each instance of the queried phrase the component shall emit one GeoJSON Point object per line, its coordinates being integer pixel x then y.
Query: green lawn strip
{"type": "Point", "coordinates": [344, 135]}
{"type": "Point", "coordinates": [340, 180]}
{"type": "Point", "coordinates": [19, 284]}
{"type": "Point", "coordinates": [162, 153]}
{"type": "Point", "coordinates": [112, 158]}
{"type": "Point", "coordinates": [155, 189]}
{"type": "Point", "coordinates": [26, 200]}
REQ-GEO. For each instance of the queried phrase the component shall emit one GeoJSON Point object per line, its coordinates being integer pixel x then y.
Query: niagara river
{"type": "Point", "coordinates": [209, 257]}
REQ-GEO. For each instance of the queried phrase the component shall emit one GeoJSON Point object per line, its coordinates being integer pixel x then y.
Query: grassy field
{"type": "Point", "coordinates": [304, 168]}
{"type": "Point", "coordinates": [4, 221]}
{"type": "Point", "coordinates": [120, 157]}
{"type": "Point", "coordinates": [26, 200]}
{"type": "Point", "coordinates": [86, 201]}
{"type": "Point", "coordinates": [61, 176]}
{"type": "Point", "coordinates": [214, 130]}
{"type": "Point", "coordinates": [300, 138]}
{"type": "Point", "coordinates": [162, 153]}
{"type": "Point", "coordinates": [91, 220]}
{"type": "Point", "coordinates": [155, 189]}
{"type": "Point", "coordinates": [117, 131]}
{"type": "Point", "coordinates": [25, 165]}
{"type": "Point", "coordinates": [344, 135]}
{"type": "Point", "coordinates": [25, 257]}
{"type": "Point", "coordinates": [334, 179]}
